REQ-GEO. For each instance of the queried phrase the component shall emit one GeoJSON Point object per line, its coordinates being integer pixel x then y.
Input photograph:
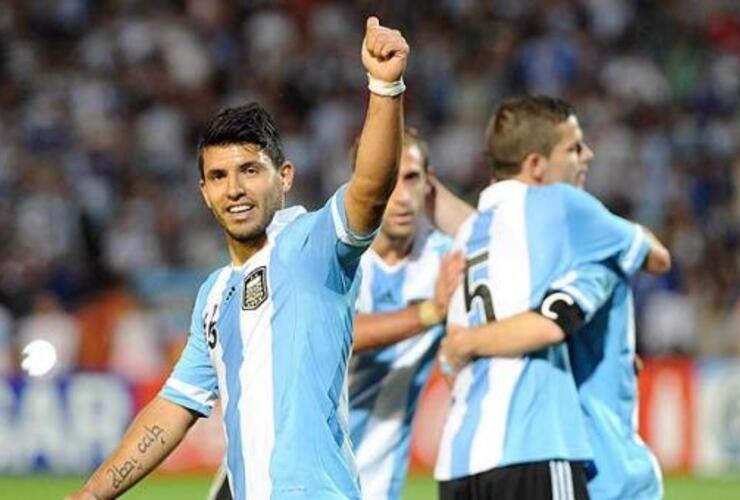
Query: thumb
{"type": "Point", "coordinates": [372, 22]}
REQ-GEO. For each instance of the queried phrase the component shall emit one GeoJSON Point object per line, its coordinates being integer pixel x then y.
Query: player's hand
{"type": "Point", "coordinates": [451, 268]}
{"type": "Point", "coordinates": [454, 352]}
{"type": "Point", "coordinates": [384, 51]}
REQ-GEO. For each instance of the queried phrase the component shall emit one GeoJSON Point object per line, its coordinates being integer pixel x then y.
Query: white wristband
{"type": "Point", "coordinates": [386, 89]}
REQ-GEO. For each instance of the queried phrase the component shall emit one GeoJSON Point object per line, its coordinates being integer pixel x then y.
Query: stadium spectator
{"type": "Point", "coordinates": [97, 98]}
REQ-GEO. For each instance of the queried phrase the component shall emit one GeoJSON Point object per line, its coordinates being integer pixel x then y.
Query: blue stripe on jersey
{"type": "Point", "coordinates": [547, 372]}
{"type": "Point", "coordinates": [196, 371]}
{"type": "Point", "coordinates": [479, 240]}
{"type": "Point", "coordinates": [232, 358]}
{"type": "Point", "coordinates": [387, 296]}
{"type": "Point", "coordinates": [602, 354]}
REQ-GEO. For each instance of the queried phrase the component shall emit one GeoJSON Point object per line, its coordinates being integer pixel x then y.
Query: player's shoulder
{"type": "Point", "coordinates": [568, 194]}
{"type": "Point", "coordinates": [465, 230]}
{"type": "Point", "coordinates": [210, 280]}
{"type": "Point", "coordinates": [207, 285]}
{"type": "Point", "coordinates": [292, 230]}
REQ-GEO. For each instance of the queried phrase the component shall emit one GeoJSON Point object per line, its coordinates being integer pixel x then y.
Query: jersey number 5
{"type": "Point", "coordinates": [478, 289]}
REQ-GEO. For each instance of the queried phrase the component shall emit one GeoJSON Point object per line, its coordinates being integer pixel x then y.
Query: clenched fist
{"type": "Point", "coordinates": [384, 51]}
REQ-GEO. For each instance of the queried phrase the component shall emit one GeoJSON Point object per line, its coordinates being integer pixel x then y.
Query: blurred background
{"type": "Point", "coordinates": [104, 239]}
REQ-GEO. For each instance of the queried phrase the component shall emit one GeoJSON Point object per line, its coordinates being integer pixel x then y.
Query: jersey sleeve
{"type": "Point", "coordinates": [193, 383]}
{"type": "Point", "coordinates": [596, 234]}
{"type": "Point", "coordinates": [331, 236]}
{"type": "Point", "coordinates": [590, 286]}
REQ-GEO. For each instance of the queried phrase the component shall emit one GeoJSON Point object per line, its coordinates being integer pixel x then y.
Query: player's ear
{"type": "Point", "coordinates": [204, 194]}
{"type": "Point", "coordinates": [534, 166]}
{"type": "Point", "coordinates": [286, 173]}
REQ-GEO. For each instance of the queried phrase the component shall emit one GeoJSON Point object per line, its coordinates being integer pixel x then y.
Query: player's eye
{"type": "Point", "coordinates": [250, 169]}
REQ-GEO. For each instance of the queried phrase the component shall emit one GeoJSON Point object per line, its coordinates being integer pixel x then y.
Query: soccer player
{"type": "Point", "coordinates": [515, 429]}
{"type": "Point", "coordinates": [272, 331]}
{"type": "Point", "coordinates": [408, 277]}
{"type": "Point", "coordinates": [602, 354]}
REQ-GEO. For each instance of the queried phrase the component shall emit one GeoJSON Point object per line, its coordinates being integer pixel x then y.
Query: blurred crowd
{"type": "Point", "coordinates": [103, 236]}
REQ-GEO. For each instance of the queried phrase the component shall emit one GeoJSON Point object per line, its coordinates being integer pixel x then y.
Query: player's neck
{"type": "Point", "coordinates": [242, 251]}
{"type": "Point", "coordinates": [527, 178]}
{"type": "Point", "coordinates": [392, 250]}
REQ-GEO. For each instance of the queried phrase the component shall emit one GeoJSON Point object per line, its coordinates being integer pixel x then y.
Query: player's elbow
{"type": "Point", "coordinates": [551, 333]}
{"type": "Point", "coordinates": [658, 261]}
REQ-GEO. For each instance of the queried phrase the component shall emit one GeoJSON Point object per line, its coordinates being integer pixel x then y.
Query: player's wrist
{"type": "Point", "coordinates": [429, 313]}
{"type": "Point", "coordinates": [385, 88]}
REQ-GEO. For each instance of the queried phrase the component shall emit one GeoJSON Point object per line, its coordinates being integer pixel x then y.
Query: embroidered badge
{"type": "Point", "coordinates": [255, 289]}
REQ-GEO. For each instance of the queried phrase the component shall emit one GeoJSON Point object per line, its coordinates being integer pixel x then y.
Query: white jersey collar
{"type": "Point", "coordinates": [282, 218]}
{"type": "Point", "coordinates": [498, 192]}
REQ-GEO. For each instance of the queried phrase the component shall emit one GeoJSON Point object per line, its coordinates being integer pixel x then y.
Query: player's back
{"type": "Point", "coordinates": [385, 383]}
{"type": "Point", "coordinates": [603, 356]}
{"type": "Point", "coordinates": [509, 411]}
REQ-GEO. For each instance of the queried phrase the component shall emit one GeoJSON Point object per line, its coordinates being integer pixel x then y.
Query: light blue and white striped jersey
{"type": "Point", "coordinates": [272, 339]}
{"type": "Point", "coordinates": [602, 355]}
{"type": "Point", "coordinates": [385, 383]}
{"type": "Point", "coordinates": [508, 411]}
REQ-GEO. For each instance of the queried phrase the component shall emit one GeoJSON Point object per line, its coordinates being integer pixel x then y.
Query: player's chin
{"type": "Point", "coordinates": [580, 180]}
{"type": "Point", "coordinates": [245, 232]}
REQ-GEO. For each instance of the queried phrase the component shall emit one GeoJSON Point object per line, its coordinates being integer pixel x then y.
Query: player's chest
{"type": "Point", "coordinates": [387, 289]}
{"type": "Point", "coordinates": [238, 316]}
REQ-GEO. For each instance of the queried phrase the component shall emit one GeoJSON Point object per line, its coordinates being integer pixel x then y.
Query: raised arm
{"type": "Point", "coordinates": [384, 55]}
{"type": "Point", "coordinates": [446, 210]}
{"type": "Point", "coordinates": [150, 438]}
{"type": "Point", "coordinates": [382, 329]}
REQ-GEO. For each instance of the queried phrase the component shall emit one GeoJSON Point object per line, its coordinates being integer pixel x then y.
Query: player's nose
{"type": "Point", "coordinates": [587, 154]}
{"type": "Point", "coordinates": [234, 188]}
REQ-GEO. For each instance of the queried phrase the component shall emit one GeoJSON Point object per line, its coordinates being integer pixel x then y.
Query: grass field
{"type": "Point", "coordinates": [417, 488]}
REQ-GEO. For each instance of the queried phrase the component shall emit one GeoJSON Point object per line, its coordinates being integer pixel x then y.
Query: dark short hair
{"type": "Point", "coordinates": [521, 126]}
{"type": "Point", "coordinates": [411, 137]}
{"type": "Point", "coordinates": [247, 124]}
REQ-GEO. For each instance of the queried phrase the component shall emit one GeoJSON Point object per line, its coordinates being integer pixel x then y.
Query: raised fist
{"type": "Point", "coordinates": [384, 51]}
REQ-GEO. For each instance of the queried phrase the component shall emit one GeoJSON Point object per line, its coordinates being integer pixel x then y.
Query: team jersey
{"type": "Point", "coordinates": [385, 383]}
{"type": "Point", "coordinates": [272, 339]}
{"type": "Point", "coordinates": [602, 355]}
{"type": "Point", "coordinates": [507, 411]}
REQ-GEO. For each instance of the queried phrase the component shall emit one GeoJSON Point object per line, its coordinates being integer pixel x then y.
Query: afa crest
{"type": "Point", "coordinates": [255, 289]}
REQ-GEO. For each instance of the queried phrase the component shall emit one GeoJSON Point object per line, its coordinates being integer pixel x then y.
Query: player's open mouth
{"type": "Point", "coordinates": [240, 212]}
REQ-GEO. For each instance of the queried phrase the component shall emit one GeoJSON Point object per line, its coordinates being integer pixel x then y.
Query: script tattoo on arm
{"type": "Point", "coordinates": [118, 474]}
{"type": "Point", "coordinates": [151, 435]}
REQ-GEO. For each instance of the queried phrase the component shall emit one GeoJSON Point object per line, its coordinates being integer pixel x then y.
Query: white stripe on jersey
{"type": "Point", "coordinates": [213, 298]}
{"type": "Point", "coordinates": [628, 261]}
{"type": "Point", "coordinates": [257, 423]}
{"type": "Point", "coordinates": [193, 392]}
{"type": "Point", "coordinates": [458, 407]}
{"type": "Point", "coordinates": [509, 281]}
{"type": "Point", "coordinates": [342, 233]}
